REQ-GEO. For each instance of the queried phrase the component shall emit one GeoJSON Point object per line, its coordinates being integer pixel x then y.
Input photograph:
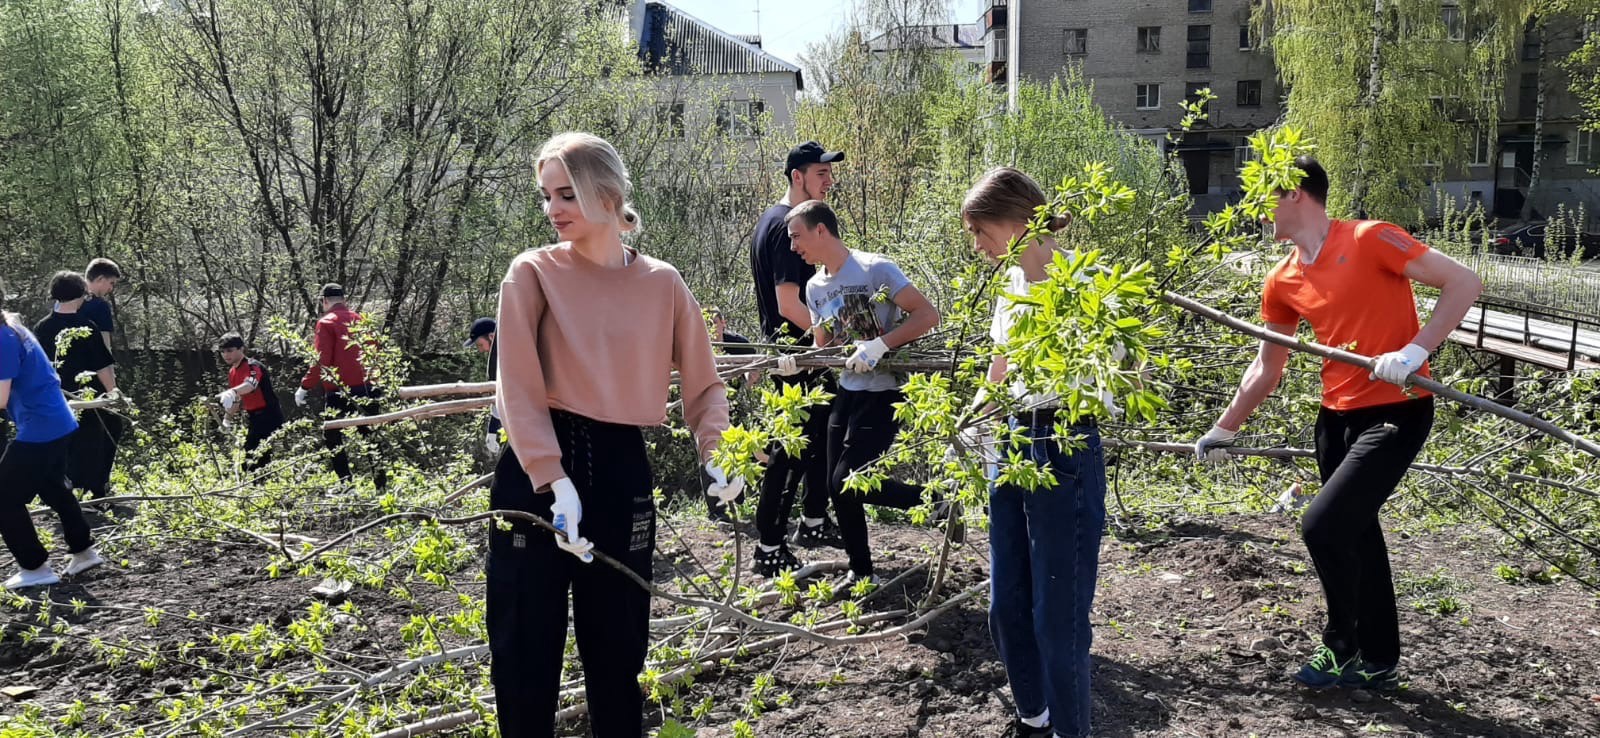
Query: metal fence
{"type": "Point", "coordinates": [1563, 286]}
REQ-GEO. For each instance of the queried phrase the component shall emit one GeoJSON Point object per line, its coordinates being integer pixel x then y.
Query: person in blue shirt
{"type": "Point", "coordinates": [35, 464]}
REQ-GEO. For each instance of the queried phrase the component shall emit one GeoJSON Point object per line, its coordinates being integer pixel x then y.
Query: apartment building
{"type": "Point", "coordinates": [1145, 57]}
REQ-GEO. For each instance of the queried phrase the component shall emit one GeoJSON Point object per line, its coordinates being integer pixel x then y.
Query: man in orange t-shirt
{"type": "Point", "coordinates": [1351, 280]}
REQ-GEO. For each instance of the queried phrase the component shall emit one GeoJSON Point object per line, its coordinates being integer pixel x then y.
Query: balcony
{"type": "Point", "coordinates": [994, 15]}
{"type": "Point", "coordinates": [994, 50]}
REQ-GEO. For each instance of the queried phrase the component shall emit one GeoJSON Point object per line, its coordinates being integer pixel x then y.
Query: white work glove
{"type": "Point", "coordinates": [228, 399]}
{"type": "Point", "coordinates": [1395, 366]}
{"type": "Point", "coordinates": [491, 443]}
{"type": "Point", "coordinates": [867, 355]}
{"type": "Point", "coordinates": [300, 397]}
{"type": "Point", "coordinates": [787, 366]}
{"type": "Point", "coordinates": [1209, 447]}
{"type": "Point", "coordinates": [721, 488]}
{"type": "Point", "coordinates": [1109, 399]}
{"type": "Point", "coordinates": [113, 394]}
{"type": "Point", "coordinates": [565, 513]}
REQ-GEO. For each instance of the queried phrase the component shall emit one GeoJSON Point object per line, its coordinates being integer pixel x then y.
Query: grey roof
{"type": "Point", "coordinates": [941, 36]}
{"type": "Point", "coordinates": [674, 42]}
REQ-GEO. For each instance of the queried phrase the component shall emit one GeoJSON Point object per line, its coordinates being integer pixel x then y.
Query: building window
{"type": "Point", "coordinates": [1199, 6]}
{"type": "Point", "coordinates": [1147, 97]}
{"type": "Point", "coordinates": [1482, 141]}
{"type": "Point", "coordinates": [1531, 46]}
{"type": "Point", "coordinates": [1528, 95]}
{"type": "Point", "coordinates": [1455, 25]}
{"type": "Point", "coordinates": [1249, 93]}
{"type": "Point", "coordinates": [671, 117]}
{"type": "Point", "coordinates": [740, 118]}
{"type": "Point", "coordinates": [1199, 47]}
{"type": "Point", "coordinates": [1244, 154]}
{"type": "Point", "coordinates": [1075, 41]}
{"type": "Point", "coordinates": [1247, 40]}
{"type": "Point", "coordinates": [1191, 94]}
{"type": "Point", "coordinates": [1581, 150]}
{"type": "Point", "coordinates": [1149, 39]}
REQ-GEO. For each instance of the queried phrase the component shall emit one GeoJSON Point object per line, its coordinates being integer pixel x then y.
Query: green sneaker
{"type": "Point", "coordinates": [1324, 670]}
{"type": "Point", "coordinates": [1370, 676]}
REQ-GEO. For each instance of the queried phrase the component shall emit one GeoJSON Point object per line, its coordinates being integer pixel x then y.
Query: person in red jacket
{"type": "Point", "coordinates": [342, 377]}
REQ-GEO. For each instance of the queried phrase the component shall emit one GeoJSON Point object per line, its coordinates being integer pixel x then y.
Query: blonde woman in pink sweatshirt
{"type": "Point", "coordinates": [589, 332]}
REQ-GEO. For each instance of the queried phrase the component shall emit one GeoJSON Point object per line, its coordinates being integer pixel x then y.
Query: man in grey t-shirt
{"type": "Point", "coordinates": [862, 300]}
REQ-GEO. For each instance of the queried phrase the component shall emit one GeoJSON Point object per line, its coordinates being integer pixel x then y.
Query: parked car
{"type": "Point", "coordinates": [1528, 239]}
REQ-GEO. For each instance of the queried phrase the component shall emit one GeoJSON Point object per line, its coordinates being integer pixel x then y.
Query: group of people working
{"type": "Point", "coordinates": [589, 332]}
{"type": "Point", "coordinates": [594, 329]}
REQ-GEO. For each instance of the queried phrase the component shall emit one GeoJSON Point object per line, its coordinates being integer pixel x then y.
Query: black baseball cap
{"type": "Point", "coordinates": [480, 328]}
{"type": "Point", "coordinates": [809, 152]}
{"type": "Point", "coordinates": [332, 290]}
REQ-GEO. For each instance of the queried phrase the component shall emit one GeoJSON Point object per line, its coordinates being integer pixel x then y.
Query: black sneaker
{"type": "Point", "coordinates": [1021, 729]}
{"type": "Point", "coordinates": [825, 533]}
{"type": "Point", "coordinates": [1364, 674]}
{"type": "Point", "coordinates": [773, 563]}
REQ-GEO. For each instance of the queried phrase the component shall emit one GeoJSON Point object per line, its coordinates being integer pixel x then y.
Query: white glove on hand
{"type": "Point", "coordinates": [113, 394]}
{"type": "Point", "coordinates": [787, 366]}
{"type": "Point", "coordinates": [1395, 366]}
{"type": "Point", "coordinates": [978, 442]}
{"type": "Point", "coordinates": [565, 513]}
{"type": "Point", "coordinates": [867, 355]}
{"type": "Point", "coordinates": [300, 397]}
{"type": "Point", "coordinates": [1209, 447]}
{"type": "Point", "coordinates": [228, 399]}
{"type": "Point", "coordinates": [721, 488]}
{"type": "Point", "coordinates": [491, 443]}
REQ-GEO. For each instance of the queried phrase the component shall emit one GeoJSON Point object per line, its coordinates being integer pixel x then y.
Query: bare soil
{"type": "Point", "coordinates": [1196, 629]}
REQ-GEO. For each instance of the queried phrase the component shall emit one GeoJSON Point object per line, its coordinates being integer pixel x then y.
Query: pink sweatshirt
{"type": "Point", "coordinates": [602, 343]}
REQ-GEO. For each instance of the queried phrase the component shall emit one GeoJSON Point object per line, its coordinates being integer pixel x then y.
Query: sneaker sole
{"type": "Point", "coordinates": [74, 570]}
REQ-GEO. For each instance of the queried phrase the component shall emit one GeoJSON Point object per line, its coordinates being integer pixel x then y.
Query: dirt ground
{"type": "Point", "coordinates": [1196, 630]}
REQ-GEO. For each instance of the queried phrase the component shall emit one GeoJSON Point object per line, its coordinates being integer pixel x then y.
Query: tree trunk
{"type": "Point", "coordinates": [1369, 102]}
{"type": "Point", "coordinates": [1538, 124]}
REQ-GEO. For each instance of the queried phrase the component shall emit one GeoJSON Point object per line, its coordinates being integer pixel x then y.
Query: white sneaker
{"type": "Point", "coordinates": [84, 560]}
{"type": "Point", "coordinates": [39, 577]}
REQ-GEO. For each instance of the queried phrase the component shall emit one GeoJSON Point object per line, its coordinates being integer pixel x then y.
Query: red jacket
{"type": "Point", "coordinates": [336, 350]}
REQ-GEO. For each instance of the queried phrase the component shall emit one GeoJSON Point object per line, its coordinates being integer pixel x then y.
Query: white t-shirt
{"type": "Point", "coordinates": [1005, 320]}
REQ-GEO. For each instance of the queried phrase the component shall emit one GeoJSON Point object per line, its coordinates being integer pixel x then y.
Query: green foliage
{"type": "Point", "coordinates": [1387, 92]}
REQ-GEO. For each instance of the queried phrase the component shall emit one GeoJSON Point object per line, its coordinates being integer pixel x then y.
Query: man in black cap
{"type": "Point", "coordinates": [780, 279]}
{"type": "Point", "coordinates": [481, 336]}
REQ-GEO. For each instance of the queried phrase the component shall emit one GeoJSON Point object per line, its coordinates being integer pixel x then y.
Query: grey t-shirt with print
{"type": "Point", "coordinates": [857, 304]}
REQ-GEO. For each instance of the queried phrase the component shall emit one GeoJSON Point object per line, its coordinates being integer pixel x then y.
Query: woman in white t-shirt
{"type": "Point", "coordinates": [1044, 543]}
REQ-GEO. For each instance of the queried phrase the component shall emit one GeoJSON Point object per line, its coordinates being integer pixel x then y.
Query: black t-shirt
{"type": "Point", "coordinates": [87, 354]}
{"type": "Point", "coordinates": [98, 310]}
{"type": "Point", "coordinates": [731, 337]}
{"type": "Point", "coordinates": [772, 263]}
{"type": "Point", "coordinates": [268, 396]}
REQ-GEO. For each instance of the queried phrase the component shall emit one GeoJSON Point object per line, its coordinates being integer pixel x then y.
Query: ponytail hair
{"type": "Point", "coordinates": [1006, 195]}
{"type": "Point", "coordinates": [599, 178]}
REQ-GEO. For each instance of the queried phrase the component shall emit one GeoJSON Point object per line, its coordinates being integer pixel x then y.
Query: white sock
{"type": "Point", "coordinates": [1038, 721]}
{"type": "Point", "coordinates": [813, 522]}
{"type": "Point", "coordinates": [769, 549]}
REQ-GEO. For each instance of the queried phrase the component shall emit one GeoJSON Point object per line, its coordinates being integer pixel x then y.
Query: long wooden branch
{"type": "Point", "coordinates": [1367, 362]}
{"type": "Point", "coordinates": [441, 390]}
{"type": "Point", "coordinates": [430, 410]}
{"type": "Point", "coordinates": [1185, 449]}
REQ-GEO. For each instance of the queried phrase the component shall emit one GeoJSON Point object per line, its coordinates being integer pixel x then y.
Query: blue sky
{"type": "Point", "coordinates": [787, 26]}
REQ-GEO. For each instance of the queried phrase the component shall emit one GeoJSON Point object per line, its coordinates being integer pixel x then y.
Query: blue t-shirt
{"type": "Point", "coordinates": [857, 304]}
{"type": "Point", "coordinates": [37, 406]}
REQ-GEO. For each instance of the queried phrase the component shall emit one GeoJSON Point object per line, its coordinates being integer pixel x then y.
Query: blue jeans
{"type": "Point", "coordinates": [1044, 549]}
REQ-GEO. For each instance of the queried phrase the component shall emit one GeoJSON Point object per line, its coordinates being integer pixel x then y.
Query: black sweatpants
{"type": "Point", "coordinates": [1361, 454]}
{"type": "Point", "coordinates": [529, 578]}
{"type": "Point", "coordinates": [361, 400]}
{"type": "Point", "coordinates": [781, 483]}
{"type": "Point", "coordinates": [259, 426]}
{"type": "Point", "coordinates": [860, 428]}
{"type": "Point", "coordinates": [93, 450]}
{"type": "Point", "coordinates": [29, 470]}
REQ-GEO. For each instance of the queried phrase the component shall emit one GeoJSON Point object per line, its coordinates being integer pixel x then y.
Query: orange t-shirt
{"type": "Point", "coordinates": [1357, 297]}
